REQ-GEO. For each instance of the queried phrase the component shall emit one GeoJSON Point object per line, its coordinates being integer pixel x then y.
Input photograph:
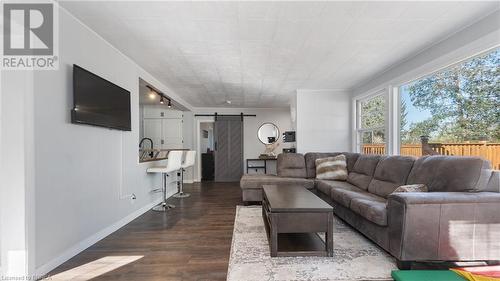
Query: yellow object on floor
{"type": "Point", "coordinates": [479, 273]}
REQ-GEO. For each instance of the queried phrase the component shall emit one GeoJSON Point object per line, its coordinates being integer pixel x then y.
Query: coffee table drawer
{"type": "Point", "coordinates": [301, 222]}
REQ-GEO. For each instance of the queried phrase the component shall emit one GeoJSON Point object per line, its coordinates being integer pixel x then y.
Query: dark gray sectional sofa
{"type": "Point", "coordinates": [457, 220]}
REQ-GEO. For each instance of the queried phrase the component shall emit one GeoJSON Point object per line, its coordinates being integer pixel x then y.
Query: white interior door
{"type": "Point", "coordinates": [152, 130]}
{"type": "Point", "coordinates": [172, 133]}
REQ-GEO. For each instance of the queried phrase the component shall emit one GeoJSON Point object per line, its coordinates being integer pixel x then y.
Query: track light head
{"type": "Point", "coordinates": [169, 103]}
{"type": "Point", "coordinates": [152, 93]}
{"type": "Point", "coordinates": [161, 100]}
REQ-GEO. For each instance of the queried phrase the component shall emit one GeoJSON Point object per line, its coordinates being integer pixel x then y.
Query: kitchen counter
{"type": "Point", "coordinates": [160, 154]}
{"type": "Point", "coordinates": [152, 159]}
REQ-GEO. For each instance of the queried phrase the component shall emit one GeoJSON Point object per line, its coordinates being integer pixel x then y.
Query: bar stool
{"type": "Point", "coordinates": [174, 161]}
{"type": "Point", "coordinates": [188, 162]}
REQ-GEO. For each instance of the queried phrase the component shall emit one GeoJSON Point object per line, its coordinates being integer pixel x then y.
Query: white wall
{"type": "Point", "coordinates": [16, 174]}
{"type": "Point", "coordinates": [293, 112]}
{"type": "Point", "coordinates": [323, 121]}
{"type": "Point", "coordinates": [84, 174]}
{"type": "Point", "coordinates": [252, 147]}
{"type": "Point", "coordinates": [141, 125]}
{"type": "Point", "coordinates": [189, 143]}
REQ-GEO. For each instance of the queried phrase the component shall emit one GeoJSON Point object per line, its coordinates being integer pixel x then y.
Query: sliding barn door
{"type": "Point", "coordinates": [228, 134]}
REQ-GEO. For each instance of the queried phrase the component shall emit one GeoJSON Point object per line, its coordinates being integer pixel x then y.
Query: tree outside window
{"type": "Point", "coordinates": [371, 127]}
{"type": "Point", "coordinates": [458, 109]}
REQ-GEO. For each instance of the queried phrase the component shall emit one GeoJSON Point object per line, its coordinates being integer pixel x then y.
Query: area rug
{"type": "Point", "coordinates": [354, 258]}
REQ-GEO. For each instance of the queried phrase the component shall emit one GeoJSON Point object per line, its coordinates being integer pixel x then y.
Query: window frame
{"type": "Point", "coordinates": [396, 96]}
{"type": "Point", "coordinates": [358, 132]}
{"type": "Point", "coordinates": [393, 101]}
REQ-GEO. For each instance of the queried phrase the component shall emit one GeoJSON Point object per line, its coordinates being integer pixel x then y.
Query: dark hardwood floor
{"type": "Point", "coordinates": [190, 242]}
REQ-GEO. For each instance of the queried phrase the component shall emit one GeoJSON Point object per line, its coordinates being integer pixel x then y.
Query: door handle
{"type": "Point", "coordinates": [215, 146]}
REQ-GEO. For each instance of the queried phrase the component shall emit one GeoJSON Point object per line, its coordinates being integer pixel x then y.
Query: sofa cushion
{"type": "Point", "coordinates": [291, 165]}
{"type": "Point", "coordinates": [331, 168]}
{"type": "Point", "coordinates": [345, 195]}
{"type": "Point", "coordinates": [391, 172]}
{"type": "Point", "coordinates": [351, 158]}
{"type": "Point", "coordinates": [450, 173]}
{"type": "Point", "coordinates": [370, 209]}
{"type": "Point", "coordinates": [362, 172]}
{"type": "Point", "coordinates": [256, 181]}
{"type": "Point", "coordinates": [311, 161]}
{"type": "Point", "coordinates": [494, 182]}
{"type": "Point", "coordinates": [325, 186]}
{"type": "Point", "coordinates": [312, 156]}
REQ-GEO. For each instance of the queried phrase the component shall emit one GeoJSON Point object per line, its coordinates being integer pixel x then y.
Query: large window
{"type": "Point", "coordinates": [455, 111]}
{"type": "Point", "coordinates": [371, 124]}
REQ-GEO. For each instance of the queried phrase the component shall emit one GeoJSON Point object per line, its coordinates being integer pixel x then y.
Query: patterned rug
{"type": "Point", "coordinates": [355, 257]}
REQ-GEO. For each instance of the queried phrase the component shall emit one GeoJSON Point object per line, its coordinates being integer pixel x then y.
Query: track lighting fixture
{"type": "Point", "coordinates": [153, 93]}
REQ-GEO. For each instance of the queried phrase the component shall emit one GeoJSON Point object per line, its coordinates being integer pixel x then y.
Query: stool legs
{"type": "Point", "coordinates": [181, 193]}
{"type": "Point", "coordinates": [163, 206]}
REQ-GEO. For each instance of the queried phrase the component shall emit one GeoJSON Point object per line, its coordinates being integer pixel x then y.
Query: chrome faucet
{"type": "Point", "coordinates": [151, 154]}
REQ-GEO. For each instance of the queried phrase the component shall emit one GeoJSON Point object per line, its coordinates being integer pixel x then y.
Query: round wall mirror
{"type": "Point", "coordinates": [268, 133]}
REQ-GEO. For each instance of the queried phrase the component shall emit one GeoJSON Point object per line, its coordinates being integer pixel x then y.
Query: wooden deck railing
{"type": "Point", "coordinates": [488, 151]}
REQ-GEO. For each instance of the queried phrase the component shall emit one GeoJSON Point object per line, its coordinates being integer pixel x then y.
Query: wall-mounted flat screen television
{"type": "Point", "coordinates": [98, 102]}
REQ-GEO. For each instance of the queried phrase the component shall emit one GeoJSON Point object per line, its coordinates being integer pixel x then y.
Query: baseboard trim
{"type": "Point", "coordinates": [188, 181]}
{"type": "Point", "coordinates": [82, 245]}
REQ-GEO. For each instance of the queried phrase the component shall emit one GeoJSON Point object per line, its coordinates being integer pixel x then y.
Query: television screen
{"type": "Point", "coordinates": [96, 101]}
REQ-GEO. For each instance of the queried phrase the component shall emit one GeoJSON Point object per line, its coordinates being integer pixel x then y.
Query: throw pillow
{"type": "Point", "coordinates": [412, 188]}
{"type": "Point", "coordinates": [331, 168]}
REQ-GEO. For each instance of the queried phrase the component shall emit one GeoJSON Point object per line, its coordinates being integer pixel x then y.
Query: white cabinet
{"type": "Point", "coordinates": [163, 126]}
{"type": "Point", "coordinates": [153, 130]}
{"type": "Point", "coordinates": [172, 133]}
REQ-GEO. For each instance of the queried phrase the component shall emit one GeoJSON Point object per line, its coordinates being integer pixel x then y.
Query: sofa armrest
{"type": "Point", "coordinates": [445, 197]}
{"type": "Point", "coordinates": [449, 226]}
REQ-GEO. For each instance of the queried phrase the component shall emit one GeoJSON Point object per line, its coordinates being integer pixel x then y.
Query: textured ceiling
{"type": "Point", "coordinates": [257, 54]}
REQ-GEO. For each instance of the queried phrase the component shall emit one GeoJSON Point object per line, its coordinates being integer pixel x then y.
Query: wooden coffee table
{"type": "Point", "coordinates": [293, 216]}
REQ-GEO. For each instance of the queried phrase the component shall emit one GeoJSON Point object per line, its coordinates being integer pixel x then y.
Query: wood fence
{"type": "Point", "coordinates": [488, 151]}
